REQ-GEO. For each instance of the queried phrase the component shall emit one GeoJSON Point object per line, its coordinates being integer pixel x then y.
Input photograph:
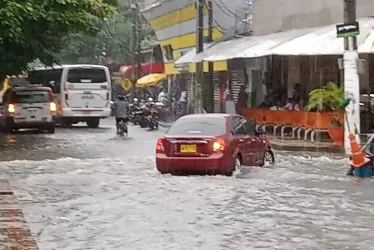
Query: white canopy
{"type": "Point", "coordinates": [311, 41]}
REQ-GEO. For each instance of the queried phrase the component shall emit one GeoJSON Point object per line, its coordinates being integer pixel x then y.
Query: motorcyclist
{"type": "Point", "coordinates": [121, 107]}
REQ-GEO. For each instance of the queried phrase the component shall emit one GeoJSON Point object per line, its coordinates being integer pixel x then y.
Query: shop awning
{"type": "Point", "coordinates": [323, 41]}
{"type": "Point", "coordinates": [150, 80]}
{"type": "Point", "coordinates": [311, 41]}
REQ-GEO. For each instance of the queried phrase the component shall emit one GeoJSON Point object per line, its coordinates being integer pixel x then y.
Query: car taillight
{"type": "Point", "coordinates": [52, 107]}
{"type": "Point", "coordinates": [66, 95]}
{"type": "Point", "coordinates": [160, 146]}
{"type": "Point", "coordinates": [11, 108]}
{"type": "Point", "coordinates": [218, 145]}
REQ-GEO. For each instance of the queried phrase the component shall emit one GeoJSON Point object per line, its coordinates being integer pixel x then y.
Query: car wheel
{"type": "Point", "coordinates": [236, 166]}
{"type": "Point", "coordinates": [7, 130]}
{"type": "Point", "coordinates": [269, 157]}
{"type": "Point", "coordinates": [51, 130]}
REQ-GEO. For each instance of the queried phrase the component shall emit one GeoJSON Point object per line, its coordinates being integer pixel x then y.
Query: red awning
{"type": "Point", "coordinates": [145, 68]}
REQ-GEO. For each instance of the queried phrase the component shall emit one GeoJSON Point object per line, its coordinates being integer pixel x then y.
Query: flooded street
{"type": "Point", "coordinates": [86, 189]}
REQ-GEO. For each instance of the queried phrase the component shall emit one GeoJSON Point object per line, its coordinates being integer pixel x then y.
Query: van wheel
{"type": "Point", "coordinates": [94, 123]}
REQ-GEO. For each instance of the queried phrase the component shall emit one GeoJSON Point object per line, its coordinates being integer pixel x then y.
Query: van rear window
{"type": "Point", "coordinates": [30, 96]}
{"type": "Point", "coordinates": [86, 76]}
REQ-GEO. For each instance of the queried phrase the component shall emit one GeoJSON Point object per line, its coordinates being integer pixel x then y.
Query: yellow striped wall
{"type": "Point", "coordinates": [178, 28]}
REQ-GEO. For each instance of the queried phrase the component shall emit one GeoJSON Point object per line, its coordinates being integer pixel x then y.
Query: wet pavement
{"type": "Point", "coordinates": [87, 189]}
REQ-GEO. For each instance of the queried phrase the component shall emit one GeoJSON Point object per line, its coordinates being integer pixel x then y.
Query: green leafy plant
{"type": "Point", "coordinates": [328, 98]}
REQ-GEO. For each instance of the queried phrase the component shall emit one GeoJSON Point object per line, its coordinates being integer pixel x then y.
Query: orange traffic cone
{"type": "Point", "coordinates": [358, 158]}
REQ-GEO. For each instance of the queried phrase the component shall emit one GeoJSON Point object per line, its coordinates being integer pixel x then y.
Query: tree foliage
{"type": "Point", "coordinates": [38, 29]}
{"type": "Point", "coordinates": [112, 44]}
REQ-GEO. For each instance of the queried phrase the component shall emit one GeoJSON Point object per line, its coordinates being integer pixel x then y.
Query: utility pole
{"type": "Point", "coordinates": [208, 86]}
{"type": "Point", "coordinates": [349, 18]}
{"type": "Point", "coordinates": [138, 42]}
{"type": "Point", "coordinates": [134, 33]}
{"type": "Point", "coordinates": [199, 48]}
{"type": "Point", "coordinates": [351, 77]}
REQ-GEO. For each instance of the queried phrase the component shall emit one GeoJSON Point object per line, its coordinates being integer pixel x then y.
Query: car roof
{"type": "Point", "coordinates": [63, 66]}
{"type": "Point", "coordinates": [207, 115]}
{"type": "Point", "coordinates": [31, 88]}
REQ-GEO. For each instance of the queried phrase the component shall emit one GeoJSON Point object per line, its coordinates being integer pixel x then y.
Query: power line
{"type": "Point", "coordinates": [232, 13]}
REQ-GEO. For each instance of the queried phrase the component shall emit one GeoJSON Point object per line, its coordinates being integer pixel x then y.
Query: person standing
{"type": "Point", "coordinates": [242, 100]}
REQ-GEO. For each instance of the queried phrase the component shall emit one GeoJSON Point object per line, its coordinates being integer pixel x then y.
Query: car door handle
{"type": "Point", "coordinates": [253, 140]}
{"type": "Point", "coordinates": [241, 140]}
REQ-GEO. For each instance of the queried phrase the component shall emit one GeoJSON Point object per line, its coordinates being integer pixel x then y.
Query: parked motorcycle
{"type": "Point", "coordinates": [150, 115]}
{"type": "Point", "coordinates": [136, 112]}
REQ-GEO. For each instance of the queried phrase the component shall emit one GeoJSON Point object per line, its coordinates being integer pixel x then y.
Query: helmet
{"type": "Point", "coordinates": [121, 97]}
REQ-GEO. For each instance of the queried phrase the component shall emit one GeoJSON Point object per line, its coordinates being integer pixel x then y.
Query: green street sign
{"type": "Point", "coordinates": [347, 29]}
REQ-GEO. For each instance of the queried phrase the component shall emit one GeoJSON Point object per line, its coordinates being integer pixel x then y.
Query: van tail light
{"type": "Point", "coordinates": [107, 95]}
{"type": "Point", "coordinates": [52, 107]}
{"type": "Point", "coordinates": [160, 146]}
{"type": "Point", "coordinates": [66, 95]}
{"type": "Point", "coordinates": [11, 108]}
{"type": "Point", "coordinates": [219, 145]}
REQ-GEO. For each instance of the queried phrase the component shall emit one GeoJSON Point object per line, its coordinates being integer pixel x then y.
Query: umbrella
{"type": "Point", "coordinates": [150, 80]}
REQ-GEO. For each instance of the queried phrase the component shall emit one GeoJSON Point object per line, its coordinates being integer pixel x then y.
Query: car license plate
{"type": "Point", "coordinates": [188, 149]}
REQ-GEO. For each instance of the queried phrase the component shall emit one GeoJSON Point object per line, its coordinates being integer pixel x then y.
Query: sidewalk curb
{"type": "Point", "coordinates": [14, 231]}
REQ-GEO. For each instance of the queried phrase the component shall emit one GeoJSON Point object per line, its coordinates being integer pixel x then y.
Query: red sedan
{"type": "Point", "coordinates": [211, 143]}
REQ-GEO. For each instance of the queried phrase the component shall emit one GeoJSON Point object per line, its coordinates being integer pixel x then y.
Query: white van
{"type": "Point", "coordinates": [83, 91]}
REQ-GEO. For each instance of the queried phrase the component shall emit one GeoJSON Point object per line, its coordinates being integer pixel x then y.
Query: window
{"type": "Point", "coordinates": [81, 75]}
{"type": "Point", "coordinates": [209, 126]}
{"type": "Point", "coordinates": [43, 77]}
{"type": "Point", "coordinates": [30, 96]}
{"type": "Point", "coordinates": [238, 126]}
{"type": "Point", "coordinates": [249, 128]}
{"type": "Point", "coordinates": [168, 52]}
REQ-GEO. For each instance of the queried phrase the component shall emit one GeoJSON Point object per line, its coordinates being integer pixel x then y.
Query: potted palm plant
{"type": "Point", "coordinates": [329, 98]}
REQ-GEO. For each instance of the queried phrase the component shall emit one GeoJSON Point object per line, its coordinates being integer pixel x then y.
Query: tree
{"type": "Point", "coordinates": [39, 29]}
{"type": "Point", "coordinates": [111, 45]}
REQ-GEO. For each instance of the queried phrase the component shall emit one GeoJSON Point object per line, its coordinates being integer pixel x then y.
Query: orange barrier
{"type": "Point", "coordinates": [298, 121]}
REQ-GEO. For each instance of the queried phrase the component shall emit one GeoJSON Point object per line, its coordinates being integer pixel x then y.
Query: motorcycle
{"type": "Point", "coordinates": [122, 128]}
{"type": "Point", "coordinates": [136, 112]}
{"type": "Point", "coordinates": [150, 115]}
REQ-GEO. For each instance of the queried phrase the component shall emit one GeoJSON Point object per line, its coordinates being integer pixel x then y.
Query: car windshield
{"type": "Point", "coordinates": [210, 126]}
{"type": "Point", "coordinates": [30, 96]}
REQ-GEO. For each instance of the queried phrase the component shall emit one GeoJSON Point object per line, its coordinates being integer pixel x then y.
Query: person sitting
{"type": "Point", "coordinates": [277, 106]}
{"type": "Point", "coordinates": [121, 109]}
{"type": "Point", "coordinates": [266, 103]}
{"type": "Point", "coordinates": [292, 105]}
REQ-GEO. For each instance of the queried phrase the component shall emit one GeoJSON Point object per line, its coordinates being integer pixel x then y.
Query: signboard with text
{"type": "Point", "coordinates": [347, 29]}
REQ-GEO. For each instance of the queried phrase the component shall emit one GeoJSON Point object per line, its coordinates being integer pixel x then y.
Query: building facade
{"type": "Point", "coordinates": [271, 16]}
{"type": "Point", "coordinates": [174, 22]}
